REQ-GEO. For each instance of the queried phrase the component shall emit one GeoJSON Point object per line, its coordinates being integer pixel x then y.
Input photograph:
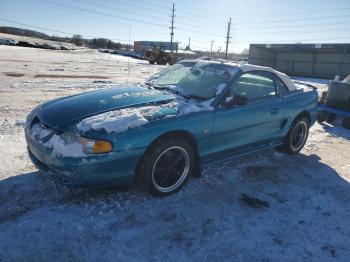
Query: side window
{"type": "Point", "coordinates": [281, 87]}
{"type": "Point", "coordinates": [254, 85]}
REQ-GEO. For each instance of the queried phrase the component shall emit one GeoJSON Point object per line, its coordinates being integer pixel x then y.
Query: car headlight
{"type": "Point", "coordinates": [89, 146]}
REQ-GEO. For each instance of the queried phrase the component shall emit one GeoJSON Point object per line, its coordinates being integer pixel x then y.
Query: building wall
{"type": "Point", "coordinates": [261, 56]}
{"type": "Point", "coordinates": [313, 63]}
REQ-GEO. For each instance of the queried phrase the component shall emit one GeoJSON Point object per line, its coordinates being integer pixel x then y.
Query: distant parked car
{"type": "Point", "coordinates": [5, 41]}
{"type": "Point", "coordinates": [160, 133]}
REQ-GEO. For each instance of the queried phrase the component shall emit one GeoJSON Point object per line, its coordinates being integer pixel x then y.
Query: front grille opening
{"type": "Point", "coordinates": [34, 121]}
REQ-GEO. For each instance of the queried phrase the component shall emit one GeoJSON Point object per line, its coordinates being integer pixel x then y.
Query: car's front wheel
{"type": "Point", "coordinates": [297, 135]}
{"type": "Point", "coordinates": [167, 165]}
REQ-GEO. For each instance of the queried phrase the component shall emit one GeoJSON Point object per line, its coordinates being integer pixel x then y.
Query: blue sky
{"type": "Point", "coordinates": [253, 21]}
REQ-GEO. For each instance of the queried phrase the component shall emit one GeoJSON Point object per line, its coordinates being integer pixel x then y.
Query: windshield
{"type": "Point", "coordinates": [192, 79]}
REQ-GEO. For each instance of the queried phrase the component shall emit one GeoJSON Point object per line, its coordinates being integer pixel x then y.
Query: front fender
{"type": "Point", "coordinates": [198, 124]}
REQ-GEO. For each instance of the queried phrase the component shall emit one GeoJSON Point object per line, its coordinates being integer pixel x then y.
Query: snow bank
{"type": "Point", "coordinates": [311, 80]}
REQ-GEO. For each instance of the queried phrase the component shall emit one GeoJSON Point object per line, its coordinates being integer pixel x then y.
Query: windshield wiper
{"type": "Point", "coordinates": [167, 88]}
{"type": "Point", "coordinates": [149, 85]}
{"type": "Point", "coordinates": [176, 92]}
{"type": "Point", "coordinates": [196, 97]}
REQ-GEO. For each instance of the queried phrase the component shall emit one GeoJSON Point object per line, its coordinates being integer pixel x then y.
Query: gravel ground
{"type": "Point", "coordinates": [264, 207]}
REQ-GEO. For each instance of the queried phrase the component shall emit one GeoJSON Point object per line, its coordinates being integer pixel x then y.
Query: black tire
{"type": "Point", "coordinates": [151, 62]}
{"type": "Point", "coordinates": [331, 117]}
{"type": "Point", "coordinates": [161, 62]}
{"type": "Point", "coordinates": [161, 176]}
{"type": "Point", "coordinates": [171, 61]}
{"type": "Point", "coordinates": [346, 123]}
{"type": "Point", "coordinates": [322, 116]}
{"type": "Point", "coordinates": [296, 138]}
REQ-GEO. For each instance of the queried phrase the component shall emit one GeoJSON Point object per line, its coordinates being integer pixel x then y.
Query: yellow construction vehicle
{"type": "Point", "coordinates": [160, 56]}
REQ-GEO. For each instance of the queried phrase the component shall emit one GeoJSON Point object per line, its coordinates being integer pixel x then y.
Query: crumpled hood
{"type": "Point", "coordinates": [63, 112]}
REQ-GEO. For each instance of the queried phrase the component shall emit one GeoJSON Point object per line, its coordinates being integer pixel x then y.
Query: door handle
{"type": "Point", "coordinates": [274, 110]}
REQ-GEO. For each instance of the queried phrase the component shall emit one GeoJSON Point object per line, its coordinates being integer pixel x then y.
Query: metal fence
{"type": "Point", "coordinates": [306, 61]}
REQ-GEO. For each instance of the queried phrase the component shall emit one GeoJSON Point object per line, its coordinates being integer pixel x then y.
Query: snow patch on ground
{"type": "Point", "coordinates": [312, 80]}
{"type": "Point", "coordinates": [308, 193]}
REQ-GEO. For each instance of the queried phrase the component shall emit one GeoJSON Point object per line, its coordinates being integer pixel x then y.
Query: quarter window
{"type": "Point", "coordinates": [254, 86]}
{"type": "Point", "coordinates": [281, 87]}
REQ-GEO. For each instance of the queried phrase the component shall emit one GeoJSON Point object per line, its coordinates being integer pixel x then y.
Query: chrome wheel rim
{"type": "Point", "coordinates": [170, 169]}
{"type": "Point", "coordinates": [299, 136]}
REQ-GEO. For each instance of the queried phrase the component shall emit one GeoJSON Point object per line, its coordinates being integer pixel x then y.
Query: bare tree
{"type": "Point", "coordinates": [245, 51]}
{"type": "Point", "coordinates": [77, 40]}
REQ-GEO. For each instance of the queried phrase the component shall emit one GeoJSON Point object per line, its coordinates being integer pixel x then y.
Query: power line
{"type": "Point", "coordinates": [129, 9]}
{"type": "Point", "coordinates": [257, 29]}
{"type": "Point", "coordinates": [293, 20]}
{"type": "Point", "coordinates": [306, 12]}
{"type": "Point", "coordinates": [58, 31]}
{"type": "Point", "coordinates": [191, 10]}
{"type": "Point", "coordinates": [102, 13]}
{"type": "Point", "coordinates": [179, 28]}
{"type": "Point", "coordinates": [123, 40]}
{"type": "Point", "coordinates": [121, 17]}
{"type": "Point", "coordinates": [291, 40]}
{"type": "Point", "coordinates": [202, 11]}
{"type": "Point", "coordinates": [206, 27]}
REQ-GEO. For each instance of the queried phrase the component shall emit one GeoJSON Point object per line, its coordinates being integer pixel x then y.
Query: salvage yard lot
{"type": "Point", "coordinates": [305, 217]}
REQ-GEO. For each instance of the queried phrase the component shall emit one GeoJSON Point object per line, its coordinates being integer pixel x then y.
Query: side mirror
{"type": "Point", "coordinates": [195, 71]}
{"type": "Point", "coordinates": [237, 100]}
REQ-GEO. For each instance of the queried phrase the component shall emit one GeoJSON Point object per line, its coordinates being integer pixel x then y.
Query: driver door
{"type": "Point", "coordinates": [252, 124]}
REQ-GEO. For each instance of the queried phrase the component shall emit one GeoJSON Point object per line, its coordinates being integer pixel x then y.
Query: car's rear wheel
{"type": "Point", "coordinates": [331, 117]}
{"type": "Point", "coordinates": [167, 165]}
{"type": "Point", "coordinates": [297, 135]}
{"type": "Point", "coordinates": [322, 116]}
{"type": "Point", "coordinates": [346, 123]}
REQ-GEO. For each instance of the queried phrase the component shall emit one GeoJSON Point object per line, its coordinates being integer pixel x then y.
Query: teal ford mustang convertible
{"type": "Point", "coordinates": [160, 133]}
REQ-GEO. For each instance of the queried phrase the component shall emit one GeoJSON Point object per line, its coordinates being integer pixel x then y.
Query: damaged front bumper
{"type": "Point", "coordinates": [103, 170]}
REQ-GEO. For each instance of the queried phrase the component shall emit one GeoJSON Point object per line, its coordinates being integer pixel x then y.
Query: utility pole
{"type": "Point", "coordinates": [228, 37]}
{"type": "Point", "coordinates": [172, 28]}
{"type": "Point", "coordinates": [211, 47]}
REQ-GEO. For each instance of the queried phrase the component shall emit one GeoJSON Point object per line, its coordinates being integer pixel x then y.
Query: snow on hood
{"type": "Point", "coordinates": [121, 120]}
{"type": "Point", "coordinates": [61, 114]}
{"type": "Point", "coordinates": [117, 121]}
